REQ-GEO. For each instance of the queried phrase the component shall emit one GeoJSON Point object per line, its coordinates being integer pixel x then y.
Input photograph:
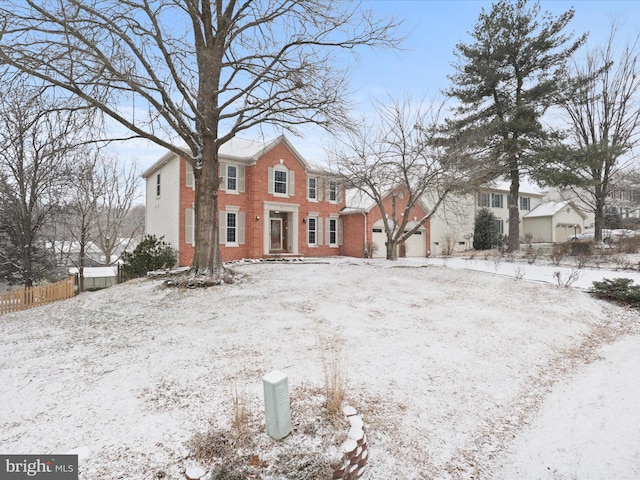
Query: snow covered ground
{"type": "Point", "coordinates": [461, 368]}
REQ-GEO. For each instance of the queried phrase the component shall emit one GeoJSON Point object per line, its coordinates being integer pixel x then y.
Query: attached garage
{"type": "Point", "coordinates": [415, 245]}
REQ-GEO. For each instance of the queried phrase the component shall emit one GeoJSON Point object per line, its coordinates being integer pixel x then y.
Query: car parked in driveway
{"type": "Point", "coordinates": [609, 236]}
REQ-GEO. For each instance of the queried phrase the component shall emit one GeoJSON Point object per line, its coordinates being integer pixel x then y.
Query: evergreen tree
{"type": "Point", "coordinates": [505, 81]}
{"type": "Point", "coordinates": [486, 234]}
{"type": "Point", "coordinates": [150, 254]}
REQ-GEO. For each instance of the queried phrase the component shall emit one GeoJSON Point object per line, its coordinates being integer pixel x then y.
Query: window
{"type": "Point", "coordinates": [232, 227]}
{"type": "Point", "coordinates": [500, 226]}
{"type": "Point", "coordinates": [312, 185]}
{"type": "Point", "coordinates": [525, 203]}
{"type": "Point", "coordinates": [496, 200]}
{"type": "Point", "coordinates": [158, 185]}
{"type": "Point", "coordinates": [333, 192]}
{"type": "Point", "coordinates": [483, 199]}
{"type": "Point", "coordinates": [281, 181]}
{"type": "Point", "coordinates": [333, 231]}
{"type": "Point", "coordinates": [232, 178]}
{"type": "Point", "coordinates": [312, 230]}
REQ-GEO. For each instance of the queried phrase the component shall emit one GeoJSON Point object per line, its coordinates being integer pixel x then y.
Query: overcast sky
{"type": "Point", "coordinates": [421, 67]}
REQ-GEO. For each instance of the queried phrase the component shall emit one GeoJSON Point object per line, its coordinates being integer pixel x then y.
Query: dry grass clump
{"type": "Point", "coordinates": [335, 382]}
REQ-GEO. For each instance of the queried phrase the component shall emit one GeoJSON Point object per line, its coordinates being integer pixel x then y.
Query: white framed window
{"type": "Point", "coordinates": [483, 199]}
{"type": "Point", "coordinates": [232, 178]}
{"type": "Point", "coordinates": [312, 188]}
{"type": "Point", "coordinates": [500, 226]}
{"type": "Point", "coordinates": [333, 232]}
{"type": "Point", "coordinates": [281, 181]}
{"type": "Point", "coordinates": [312, 231]}
{"type": "Point", "coordinates": [525, 203]}
{"type": "Point", "coordinates": [496, 200]}
{"type": "Point", "coordinates": [333, 192]}
{"type": "Point", "coordinates": [232, 227]}
{"type": "Point", "coordinates": [157, 185]}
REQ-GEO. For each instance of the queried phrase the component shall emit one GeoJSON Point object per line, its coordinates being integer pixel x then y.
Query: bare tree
{"type": "Point", "coordinates": [115, 191]}
{"type": "Point", "coordinates": [603, 113]}
{"type": "Point", "coordinates": [97, 211]}
{"type": "Point", "coordinates": [37, 136]}
{"type": "Point", "coordinates": [403, 157]}
{"type": "Point", "coordinates": [198, 71]}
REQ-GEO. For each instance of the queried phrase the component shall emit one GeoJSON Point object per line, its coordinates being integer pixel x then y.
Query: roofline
{"type": "Point", "coordinates": [159, 163]}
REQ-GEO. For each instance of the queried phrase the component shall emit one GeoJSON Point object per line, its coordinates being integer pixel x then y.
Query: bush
{"type": "Point", "coordinates": [486, 234]}
{"type": "Point", "coordinates": [151, 254]}
{"type": "Point", "coordinates": [618, 290]}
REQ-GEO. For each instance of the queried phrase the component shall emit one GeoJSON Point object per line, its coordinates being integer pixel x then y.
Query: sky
{"type": "Point", "coordinates": [421, 66]}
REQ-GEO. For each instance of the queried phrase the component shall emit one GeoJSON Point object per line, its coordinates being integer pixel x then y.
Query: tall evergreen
{"type": "Point", "coordinates": [505, 80]}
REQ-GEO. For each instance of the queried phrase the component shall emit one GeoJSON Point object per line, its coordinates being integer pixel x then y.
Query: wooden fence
{"type": "Point", "coordinates": [34, 296]}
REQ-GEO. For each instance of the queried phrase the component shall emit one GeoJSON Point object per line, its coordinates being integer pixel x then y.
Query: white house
{"type": "Point", "coordinates": [452, 226]}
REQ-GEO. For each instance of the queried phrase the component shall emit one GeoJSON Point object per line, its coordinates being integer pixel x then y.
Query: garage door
{"type": "Point", "coordinates": [415, 245]}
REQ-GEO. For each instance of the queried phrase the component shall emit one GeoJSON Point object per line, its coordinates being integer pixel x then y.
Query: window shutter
{"type": "Point", "coordinates": [319, 189]}
{"type": "Point", "coordinates": [270, 181]}
{"type": "Point", "coordinates": [339, 196]}
{"type": "Point", "coordinates": [340, 232]}
{"type": "Point", "coordinates": [292, 183]}
{"type": "Point", "coordinates": [240, 179]}
{"type": "Point", "coordinates": [241, 229]}
{"type": "Point", "coordinates": [223, 227]}
{"type": "Point", "coordinates": [319, 238]}
{"type": "Point", "coordinates": [223, 177]}
{"type": "Point", "coordinates": [189, 226]}
{"type": "Point", "coordinates": [189, 179]}
{"type": "Point", "coordinates": [327, 231]}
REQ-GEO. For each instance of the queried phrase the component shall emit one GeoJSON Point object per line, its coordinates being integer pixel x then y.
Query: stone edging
{"type": "Point", "coordinates": [355, 450]}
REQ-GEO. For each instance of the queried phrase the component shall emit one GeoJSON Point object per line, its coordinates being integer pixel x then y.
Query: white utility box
{"type": "Point", "coordinates": [277, 405]}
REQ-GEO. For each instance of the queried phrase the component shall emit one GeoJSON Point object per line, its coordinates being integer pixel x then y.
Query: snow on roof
{"type": "Point", "coordinates": [357, 201]}
{"type": "Point", "coordinates": [239, 149]}
{"type": "Point", "coordinates": [549, 209]}
{"type": "Point", "coordinates": [96, 272]}
{"type": "Point", "coordinates": [525, 187]}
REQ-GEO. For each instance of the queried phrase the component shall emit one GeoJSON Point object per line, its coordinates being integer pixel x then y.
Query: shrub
{"type": "Point", "coordinates": [618, 290]}
{"type": "Point", "coordinates": [151, 254]}
{"type": "Point", "coordinates": [486, 234]}
{"type": "Point", "coordinates": [581, 249]}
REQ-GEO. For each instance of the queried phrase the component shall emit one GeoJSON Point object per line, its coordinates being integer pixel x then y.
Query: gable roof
{"type": "Point", "coordinates": [504, 186]}
{"type": "Point", "coordinates": [239, 149]}
{"type": "Point", "coordinates": [549, 209]}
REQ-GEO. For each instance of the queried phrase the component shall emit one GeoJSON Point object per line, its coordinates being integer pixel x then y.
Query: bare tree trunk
{"type": "Point", "coordinates": [207, 257]}
{"type": "Point", "coordinates": [514, 212]}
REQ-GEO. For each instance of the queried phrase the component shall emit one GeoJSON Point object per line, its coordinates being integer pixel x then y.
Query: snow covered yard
{"type": "Point", "coordinates": [458, 373]}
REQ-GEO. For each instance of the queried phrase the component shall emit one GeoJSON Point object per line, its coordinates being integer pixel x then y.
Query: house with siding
{"type": "Point", "coordinates": [272, 203]}
{"type": "Point", "coordinates": [541, 219]}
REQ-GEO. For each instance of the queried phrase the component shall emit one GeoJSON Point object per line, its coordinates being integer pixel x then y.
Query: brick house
{"type": "Point", "coordinates": [364, 233]}
{"type": "Point", "coordinates": [272, 202]}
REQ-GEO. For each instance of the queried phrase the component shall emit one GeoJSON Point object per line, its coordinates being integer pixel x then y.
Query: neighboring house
{"type": "Point", "coordinates": [272, 202]}
{"type": "Point", "coordinates": [553, 222]}
{"type": "Point", "coordinates": [364, 227]}
{"type": "Point", "coordinates": [452, 226]}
